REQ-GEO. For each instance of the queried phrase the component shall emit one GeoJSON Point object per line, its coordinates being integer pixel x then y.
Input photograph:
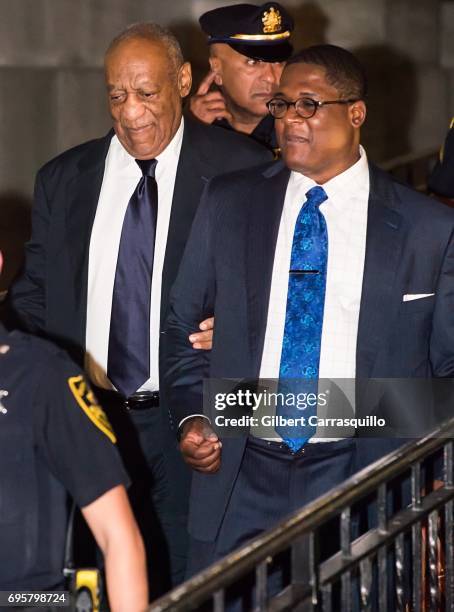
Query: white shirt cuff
{"type": "Point", "coordinates": [191, 416]}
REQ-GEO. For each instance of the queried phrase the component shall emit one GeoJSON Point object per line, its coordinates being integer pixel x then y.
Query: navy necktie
{"type": "Point", "coordinates": [128, 363]}
{"type": "Point", "coordinates": [300, 357]}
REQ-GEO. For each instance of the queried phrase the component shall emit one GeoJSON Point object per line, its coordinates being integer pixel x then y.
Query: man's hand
{"type": "Point", "coordinates": [204, 339]}
{"type": "Point", "coordinates": [207, 106]}
{"type": "Point", "coordinates": [200, 446]}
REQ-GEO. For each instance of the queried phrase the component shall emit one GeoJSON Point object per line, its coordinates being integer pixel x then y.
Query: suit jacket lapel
{"type": "Point", "coordinates": [83, 195]}
{"type": "Point", "coordinates": [193, 172]}
{"type": "Point", "coordinates": [264, 219]}
{"type": "Point", "coordinates": [383, 248]}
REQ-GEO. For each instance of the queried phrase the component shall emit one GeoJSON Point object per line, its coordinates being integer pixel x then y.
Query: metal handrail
{"type": "Point", "coordinates": [408, 159]}
{"type": "Point", "coordinates": [413, 168]}
{"type": "Point", "coordinates": [303, 523]}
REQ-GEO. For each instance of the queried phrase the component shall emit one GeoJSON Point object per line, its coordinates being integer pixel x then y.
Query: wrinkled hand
{"type": "Point", "coordinates": [200, 446]}
{"type": "Point", "coordinates": [207, 106]}
{"type": "Point", "coordinates": [204, 339]}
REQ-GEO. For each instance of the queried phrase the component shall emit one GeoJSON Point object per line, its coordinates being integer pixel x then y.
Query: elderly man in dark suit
{"type": "Point", "coordinates": [110, 222]}
{"type": "Point", "coordinates": [320, 266]}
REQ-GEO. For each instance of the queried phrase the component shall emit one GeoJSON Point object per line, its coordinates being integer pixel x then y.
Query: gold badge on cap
{"type": "Point", "coordinates": [271, 21]}
{"type": "Point", "coordinates": [89, 404]}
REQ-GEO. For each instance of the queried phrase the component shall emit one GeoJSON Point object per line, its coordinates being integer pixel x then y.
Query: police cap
{"type": "Point", "coordinates": [259, 32]}
{"type": "Point", "coordinates": [441, 181]}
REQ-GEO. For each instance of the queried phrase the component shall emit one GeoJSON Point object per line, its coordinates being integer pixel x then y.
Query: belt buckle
{"type": "Point", "coordinates": [142, 400]}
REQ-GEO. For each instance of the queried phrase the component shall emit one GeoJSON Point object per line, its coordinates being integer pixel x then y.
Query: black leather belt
{"type": "Point", "coordinates": [143, 400]}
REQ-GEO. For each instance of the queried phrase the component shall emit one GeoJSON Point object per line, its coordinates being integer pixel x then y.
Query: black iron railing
{"type": "Point", "coordinates": [409, 552]}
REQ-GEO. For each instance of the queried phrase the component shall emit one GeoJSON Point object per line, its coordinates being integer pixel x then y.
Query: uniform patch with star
{"type": "Point", "coordinates": [89, 404]}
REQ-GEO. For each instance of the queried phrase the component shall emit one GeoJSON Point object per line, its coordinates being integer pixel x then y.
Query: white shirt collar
{"type": "Point", "coordinates": [342, 183]}
{"type": "Point", "coordinates": [127, 165]}
{"type": "Point", "coordinates": [351, 179]}
{"type": "Point", "coordinates": [171, 153]}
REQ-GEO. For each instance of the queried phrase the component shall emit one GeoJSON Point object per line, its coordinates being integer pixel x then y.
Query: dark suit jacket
{"type": "Point", "coordinates": [227, 268]}
{"type": "Point", "coordinates": [50, 297]}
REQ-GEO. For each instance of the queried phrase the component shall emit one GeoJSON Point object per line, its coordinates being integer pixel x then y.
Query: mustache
{"type": "Point", "coordinates": [292, 137]}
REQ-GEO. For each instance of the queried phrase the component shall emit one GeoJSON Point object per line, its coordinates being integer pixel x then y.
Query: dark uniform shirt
{"type": "Point", "coordinates": [54, 439]}
{"type": "Point", "coordinates": [264, 133]}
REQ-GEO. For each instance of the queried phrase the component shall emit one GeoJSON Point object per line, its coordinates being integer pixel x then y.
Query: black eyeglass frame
{"type": "Point", "coordinates": [316, 105]}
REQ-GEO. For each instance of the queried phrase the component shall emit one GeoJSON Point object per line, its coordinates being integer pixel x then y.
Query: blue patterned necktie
{"type": "Point", "coordinates": [300, 357]}
{"type": "Point", "coordinates": [128, 362]}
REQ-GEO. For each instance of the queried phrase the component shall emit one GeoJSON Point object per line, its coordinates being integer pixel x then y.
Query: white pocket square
{"type": "Point", "coordinates": [409, 297]}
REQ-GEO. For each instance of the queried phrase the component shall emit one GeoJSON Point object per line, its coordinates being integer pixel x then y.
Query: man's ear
{"type": "Point", "coordinates": [184, 79]}
{"type": "Point", "coordinates": [358, 113]}
{"type": "Point", "coordinates": [216, 68]}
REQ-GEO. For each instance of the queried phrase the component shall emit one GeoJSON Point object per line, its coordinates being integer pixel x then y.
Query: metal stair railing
{"type": "Point", "coordinates": [427, 522]}
{"type": "Point", "coordinates": [413, 168]}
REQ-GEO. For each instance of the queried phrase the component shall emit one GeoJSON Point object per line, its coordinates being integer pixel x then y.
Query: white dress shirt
{"type": "Point", "coordinates": [121, 176]}
{"type": "Point", "coordinates": [345, 212]}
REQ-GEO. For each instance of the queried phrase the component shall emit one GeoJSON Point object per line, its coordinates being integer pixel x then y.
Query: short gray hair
{"type": "Point", "coordinates": [152, 32]}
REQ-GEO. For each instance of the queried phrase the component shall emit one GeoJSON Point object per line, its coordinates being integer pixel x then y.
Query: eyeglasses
{"type": "Point", "coordinates": [304, 107]}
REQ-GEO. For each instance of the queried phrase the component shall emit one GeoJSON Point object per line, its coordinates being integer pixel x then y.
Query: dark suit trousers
{"type": "Point", "coordinates": [158, 495]}
{"type": "Point", "coordinates": [272, 484]}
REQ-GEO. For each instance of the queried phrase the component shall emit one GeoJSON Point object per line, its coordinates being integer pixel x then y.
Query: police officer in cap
{"type": "Point", "coordinates": [54, 439]}
{"type": "Point", "coordinates": [441, 179]}
{"type": "Point", "coordinates": [248, 46]}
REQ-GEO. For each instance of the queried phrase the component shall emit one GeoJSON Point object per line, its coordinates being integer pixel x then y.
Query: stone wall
{"type": "Point", "coordinates": [52, 94]}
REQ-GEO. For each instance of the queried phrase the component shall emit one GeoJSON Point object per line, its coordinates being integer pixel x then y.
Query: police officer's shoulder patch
{"type": "Point", "coordinates": [89, 404]}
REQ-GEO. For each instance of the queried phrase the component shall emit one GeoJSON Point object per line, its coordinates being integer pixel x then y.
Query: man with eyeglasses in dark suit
{"type": "Point", "coordinates": [320, 266]}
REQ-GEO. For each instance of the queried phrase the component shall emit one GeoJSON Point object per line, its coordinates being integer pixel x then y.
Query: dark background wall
{"type": "Point", "coordinates": [52, 93]}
